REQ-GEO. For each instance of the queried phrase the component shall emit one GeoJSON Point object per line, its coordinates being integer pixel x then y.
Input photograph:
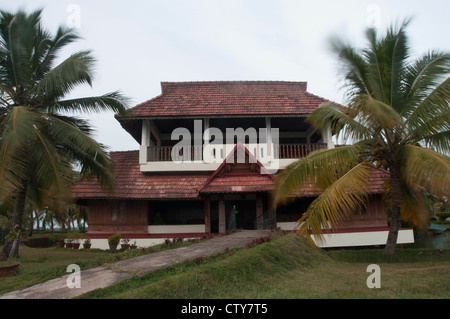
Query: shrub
{"type": "Point", "coordinates": [114, 239]}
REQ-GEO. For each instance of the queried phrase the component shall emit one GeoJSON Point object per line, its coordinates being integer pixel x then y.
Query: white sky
{"type": "Point", "coordinates": [138, 44]}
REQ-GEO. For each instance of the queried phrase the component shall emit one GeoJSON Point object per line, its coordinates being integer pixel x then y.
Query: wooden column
{"type": "Point", "coordinates": [222, 222]}
{"type": "Point", "coordinates": [259, 211]}
{"type": "Point", "coordinates": [207, 214]}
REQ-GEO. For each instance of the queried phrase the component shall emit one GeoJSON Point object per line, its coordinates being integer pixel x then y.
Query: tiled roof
{"type": "Point", "coordinates": [133, 184]}
{"type": "Point", "coordinates": [376, 181]}
{"type": "Point", "coordinates": [239, 183]}
{"type": "Point", "coordinates": [237, 98]}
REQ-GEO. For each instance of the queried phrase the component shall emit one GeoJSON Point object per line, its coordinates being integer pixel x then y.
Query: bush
{"type": "Point", "coordinates": [114, 239]}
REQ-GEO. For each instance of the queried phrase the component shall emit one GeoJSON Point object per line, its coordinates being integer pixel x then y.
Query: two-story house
{"type": "Point", "coordinates": [208, 155]}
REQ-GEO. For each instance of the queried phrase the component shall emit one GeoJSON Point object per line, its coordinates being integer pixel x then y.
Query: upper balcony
{"type": "Point", "coordinates": [209, 157]}
{"type": "Point", "coordinates": [274, 148]}
{"type": "Point", "coordinates": [217, 153]}
{"type": "Point", "coordinates": [193, 108]}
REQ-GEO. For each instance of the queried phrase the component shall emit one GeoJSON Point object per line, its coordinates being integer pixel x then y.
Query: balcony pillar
{"type": "Point", "coordinates": [328, 137]}
{"type": "Point", "coordinates": [145, 142]}
{"type": "Point", "coordinates": [268, 131]}
{"type": "Point", "coordinates": [206, 133]}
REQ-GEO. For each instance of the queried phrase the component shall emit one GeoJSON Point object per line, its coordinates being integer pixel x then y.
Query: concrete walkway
{"type": "Point", "coordinates": [105, 276]}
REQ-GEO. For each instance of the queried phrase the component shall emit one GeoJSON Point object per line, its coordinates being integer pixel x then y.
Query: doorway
{"type": "Point", "coordinates": [240, 214]}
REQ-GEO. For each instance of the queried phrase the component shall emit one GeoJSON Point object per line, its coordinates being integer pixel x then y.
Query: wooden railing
{"type": "Point", "coordinates": [164, 153]}
{"type": "Point", "coordinates": [195, 153]}
{"type": "Point", "coordinates": [298, 150]}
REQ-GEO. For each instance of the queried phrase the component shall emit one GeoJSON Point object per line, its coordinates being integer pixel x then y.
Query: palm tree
{"type": "Point", "coordinates": [41, 140]}
{"type": "Point", "coordinates": [398, 119]}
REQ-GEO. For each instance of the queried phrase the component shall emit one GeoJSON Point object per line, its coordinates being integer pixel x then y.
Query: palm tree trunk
{"type": "Point", "coordinates": [394, 225]}
{"type": "Point", "coordinates": [17, 220]}
{"type": "Point", "coordinates": [30, 232]}
{"type": "Point", "coordinates": [51, 224]}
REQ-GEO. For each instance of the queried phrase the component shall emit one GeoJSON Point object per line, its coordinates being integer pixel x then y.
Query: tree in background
{"type": "Point", "coordinates": [41, 139]}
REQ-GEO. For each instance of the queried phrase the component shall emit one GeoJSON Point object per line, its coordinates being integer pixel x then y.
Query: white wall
{"type": "Point", "coordinates": [350, 239]}
{"type": "Point", "coordinates": [176, 229]}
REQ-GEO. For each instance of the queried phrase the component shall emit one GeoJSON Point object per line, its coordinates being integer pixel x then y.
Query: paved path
{"type": "Point", "coordinates": [105, 276]}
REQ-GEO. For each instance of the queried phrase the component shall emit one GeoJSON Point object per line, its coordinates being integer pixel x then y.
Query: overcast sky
{"type": "Point", "coordinates": [139, 44]}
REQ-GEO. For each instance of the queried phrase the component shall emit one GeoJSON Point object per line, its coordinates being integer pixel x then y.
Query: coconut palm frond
{"type": "Point", "coordinates": [49, 49]}
{"type": "Point", "coordinates": [433, 105]}
{"type": "Point", "coordinates": [375, 113]}
{"type": "Point", "coordinates": [93, 158]}
{"type": "Point", "coordinates": [318, 170]}
{"type": "Point", "coordinates": [414, 209]}
{"type": "Point", "coordinates": [342, 123]}
{"type": "Point", "coordinates": [426, 168]}
{"type": "Point", "coordinates": [422, 77]}
{"type": "Point", "coordinates": [15, 159]}
{"type": "Point", "coordinates": [386, 58]}
{"type": "Point", "coordinates": [49, 162]}
{"type": "Point", "coordinates": [75, 70]}
{"type": "Point", "coordinates": [18, 33]}
{"type": "Point", "coordinates": [113, 101]}
{"type": "Point", "coordinates": [353, 68]}
{"type": "Point", "coordinates": [438, 142]}
{"type": "Point", "coordinates": [346, 195]}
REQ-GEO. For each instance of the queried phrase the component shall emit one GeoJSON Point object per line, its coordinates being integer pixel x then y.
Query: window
{"type": "Point", "coordinates": [121, 211]}
{"type": "Point", "coordinates": [117, 211]}
{"type": "Point", "coordinates": [176, 213]}
{"type": "Point", "coordinates": [114, 211]}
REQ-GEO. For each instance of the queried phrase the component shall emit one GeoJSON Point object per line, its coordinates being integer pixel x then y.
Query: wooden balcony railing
{"type": "Point", "coordinates": [298, 150]}
{"type": "Point", "coordinates": [164, 153]}
{"type": "Point", "coordinates": [195, 153]}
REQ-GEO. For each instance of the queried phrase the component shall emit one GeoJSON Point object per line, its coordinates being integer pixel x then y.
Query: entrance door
{"type": "Point", "coordinates": [240, 214]}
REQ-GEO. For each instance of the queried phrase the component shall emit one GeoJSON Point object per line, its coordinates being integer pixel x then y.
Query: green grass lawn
{"type": "Point", "coordinates": [286, 267]}
{"type": "Point", "coordinates": [42, 264]}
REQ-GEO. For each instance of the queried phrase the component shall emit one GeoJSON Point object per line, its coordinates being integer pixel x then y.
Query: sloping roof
{"type": "Point", "coordinates": [375, 182]}
{"type": "Point", "coordinates": [219, 98]}
{"type": "Point", "coordinates": [239, 183]}
{"type": "Point", "coordinates": [216, 99]}
{"type": "Point", "coordinates": [134, 184]}
{"type": "Point", "coordinates": [131, 183]}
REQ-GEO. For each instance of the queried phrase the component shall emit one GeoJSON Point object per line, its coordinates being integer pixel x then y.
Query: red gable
{"type": "Point", "coordinates": [244, 98]}
{"type": "Point", "coordinates": [234, 177]}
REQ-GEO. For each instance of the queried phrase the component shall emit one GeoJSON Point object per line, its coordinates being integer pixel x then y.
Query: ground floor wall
{"type": "Point", "coordinates": [151, 222]}
{"type": "Point", "coordinates": [373, 215]}
{"type": "Point", "coordinates": [117, 216]}
{"type": "Point", "coordinates": [215, 213]}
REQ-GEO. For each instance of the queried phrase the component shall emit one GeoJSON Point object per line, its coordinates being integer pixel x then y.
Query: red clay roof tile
{"type": "Point", "coordinates": [237, 98]}
{"type": "Point", "coordinates": [133, 184]}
